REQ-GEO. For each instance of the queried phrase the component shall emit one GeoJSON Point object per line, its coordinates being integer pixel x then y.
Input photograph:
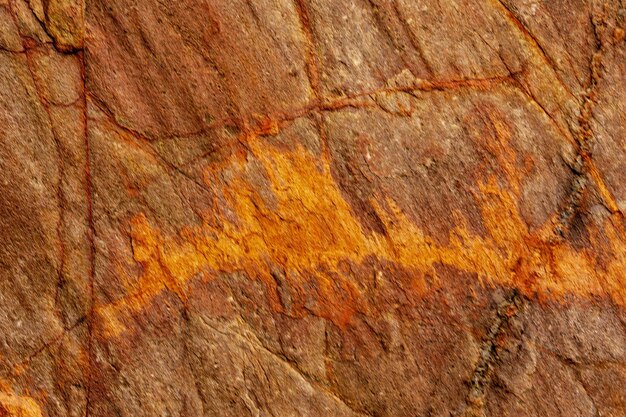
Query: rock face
{"type": "Point", "coordinates": [312, 208]}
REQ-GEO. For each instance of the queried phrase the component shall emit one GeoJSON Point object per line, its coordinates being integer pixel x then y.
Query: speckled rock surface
{"type": "Point", "coordinates": [312, 208]}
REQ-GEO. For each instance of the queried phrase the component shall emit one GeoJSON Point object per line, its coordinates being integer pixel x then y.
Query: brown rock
{"type": "Point", "coordinates": [312, 207]}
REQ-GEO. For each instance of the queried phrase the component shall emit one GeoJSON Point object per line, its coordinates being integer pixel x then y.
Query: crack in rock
{"type": "Point", "coordinates": [506, 311]}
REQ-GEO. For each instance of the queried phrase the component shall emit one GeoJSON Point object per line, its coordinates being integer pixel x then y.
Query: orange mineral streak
{"type": "Point", "coordinates": [12, 405]}
{"type": "Point", "coordinates": [309, 231]}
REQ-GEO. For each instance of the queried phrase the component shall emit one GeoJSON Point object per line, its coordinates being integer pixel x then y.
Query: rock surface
{"type": "Point", "coordinates": [312, 208]}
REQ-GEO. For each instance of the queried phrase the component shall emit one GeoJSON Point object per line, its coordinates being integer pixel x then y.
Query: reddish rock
{"type": "Point", "coordinates": [312, 207]}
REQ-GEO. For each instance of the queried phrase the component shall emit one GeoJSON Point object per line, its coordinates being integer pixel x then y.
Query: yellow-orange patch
{"type": "Point", "coordinates": [308, 229]}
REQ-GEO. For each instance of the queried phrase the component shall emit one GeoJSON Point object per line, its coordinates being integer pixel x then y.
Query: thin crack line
{"type": "Point", "coordinates": [282, 358]}
{"type": "Point", "coordinates": [90, 222]}
{"type": "Point", "coordinates": [45, 104]}
{"type": "Point", "coordinates": [585, 168]}
{"type": "Point", "coordinates": [313, 73]}
{"type": "Point", "coordinates": [331, 105]}
{"type": "Point", "coordinates": [506, 311]}
{"type": "Point", "coordinates": [18, 367]}
{"type": "Point", "coordinates": [534, 41]}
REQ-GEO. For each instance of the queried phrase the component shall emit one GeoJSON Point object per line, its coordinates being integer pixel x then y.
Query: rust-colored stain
{"type": "Point", "coordinates": [12, 405]}
{"type": "Point", "coordinates": [308, 230]}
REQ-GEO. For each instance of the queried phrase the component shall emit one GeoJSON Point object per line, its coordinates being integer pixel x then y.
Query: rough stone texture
{"type": "Point", "coordinates": [312, 208]}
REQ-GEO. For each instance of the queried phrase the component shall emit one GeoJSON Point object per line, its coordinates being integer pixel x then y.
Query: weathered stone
{"type": "Point", "coordinates": [312, 207]}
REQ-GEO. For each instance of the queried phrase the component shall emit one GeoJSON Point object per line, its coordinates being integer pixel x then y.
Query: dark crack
{"type": "Point", "coordinates": [506, 311]}
{"type": "Point", "coordinates": [583, 136]}
{"type": "Point", "coordinates": [354, 101]}
{"type": "Point", "coordinates": [510, 14]}
{"type": "Point", "coordinates": [91, 235]}
{"type": "Point", "coordinates": [58, 46]}
{"type": "Point", "coordinates": [18, 367]}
